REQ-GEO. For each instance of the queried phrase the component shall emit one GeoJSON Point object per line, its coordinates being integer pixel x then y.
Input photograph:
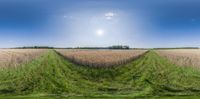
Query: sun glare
{"type": "Point", "coordinates": [99, 32]}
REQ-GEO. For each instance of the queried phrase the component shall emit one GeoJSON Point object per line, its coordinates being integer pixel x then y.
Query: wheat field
{"type": "Point", "coordinates": [182, 57]}
{"type": "Point", "coordinates": [14, 57]}
{"type": "Point", "coordinates": [101, 58]}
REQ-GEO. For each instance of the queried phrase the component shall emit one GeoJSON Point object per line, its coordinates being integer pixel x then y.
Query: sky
{"type": "Point", "coordinates": [95, 23]}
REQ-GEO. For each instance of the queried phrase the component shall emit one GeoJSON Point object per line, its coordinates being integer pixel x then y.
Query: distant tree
{"type": "Point", "coordinates": [119, 47]}
{"type": "Point", "coordinates": [35, 47]}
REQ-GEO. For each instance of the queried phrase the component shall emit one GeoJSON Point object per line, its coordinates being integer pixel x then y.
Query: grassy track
{"type": "Point", "coordinates": [52, 74]}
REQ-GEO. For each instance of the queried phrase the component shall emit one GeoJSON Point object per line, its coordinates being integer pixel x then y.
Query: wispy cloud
{"type": "Point", "coordinates": [68, 17]}
{"type": "Point", "coordinates": [109, 15]}
{"type": "Point", "coordinates": [10, 41]}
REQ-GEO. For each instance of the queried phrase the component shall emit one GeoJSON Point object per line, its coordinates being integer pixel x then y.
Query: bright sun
{"type": "Point", "coordinates": [100, 32]}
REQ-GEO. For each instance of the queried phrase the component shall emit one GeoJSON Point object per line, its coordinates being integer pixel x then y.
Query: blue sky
{"type": "Point", "coordinates": [71, 23]}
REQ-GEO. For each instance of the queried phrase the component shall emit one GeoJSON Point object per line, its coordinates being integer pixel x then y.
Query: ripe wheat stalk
{"type": "Point", "coordinates": [14, 57]}
{"type": "Point", "coordinates": [182, 57]}
{"type": "Point", "coordinates": [101, 58]}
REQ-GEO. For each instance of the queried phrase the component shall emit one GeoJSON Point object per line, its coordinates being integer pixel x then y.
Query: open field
{"type": "Point", "coordinates": [51, 74]}
{"type": "Point", "coordinates": [182, 57]}
{"type": "Point", "coordinates": [14, 57]}
{"type": "Point", "coordinates": [99, 58]}
{"type": "Point", "coordinates": [148, 75]}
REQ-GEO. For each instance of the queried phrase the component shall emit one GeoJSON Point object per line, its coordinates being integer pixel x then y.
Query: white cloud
{"type": "Point", "coordinates": [109, 15]}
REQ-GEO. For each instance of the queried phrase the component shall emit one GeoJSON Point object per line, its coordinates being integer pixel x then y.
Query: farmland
{"type": "Point", "coordinates": [15, 57]}
{"type": "Point", "coordinates": [183, 57]}
{"type": "Point", "coordinates": [53, 74]}
{"type": "Point", "coordinates": [98, 58]}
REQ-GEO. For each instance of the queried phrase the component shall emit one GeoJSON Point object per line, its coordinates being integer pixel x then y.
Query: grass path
{"type": "Point", "coordinates": [52, 74]}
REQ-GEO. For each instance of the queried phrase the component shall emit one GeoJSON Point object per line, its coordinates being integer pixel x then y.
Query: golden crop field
{"type": "Point", "coordinates": [182, 57]}
{"type": "Point", "coordinates": [98, 58]}
{"type": "Point", "coordinates": [14, 57]}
